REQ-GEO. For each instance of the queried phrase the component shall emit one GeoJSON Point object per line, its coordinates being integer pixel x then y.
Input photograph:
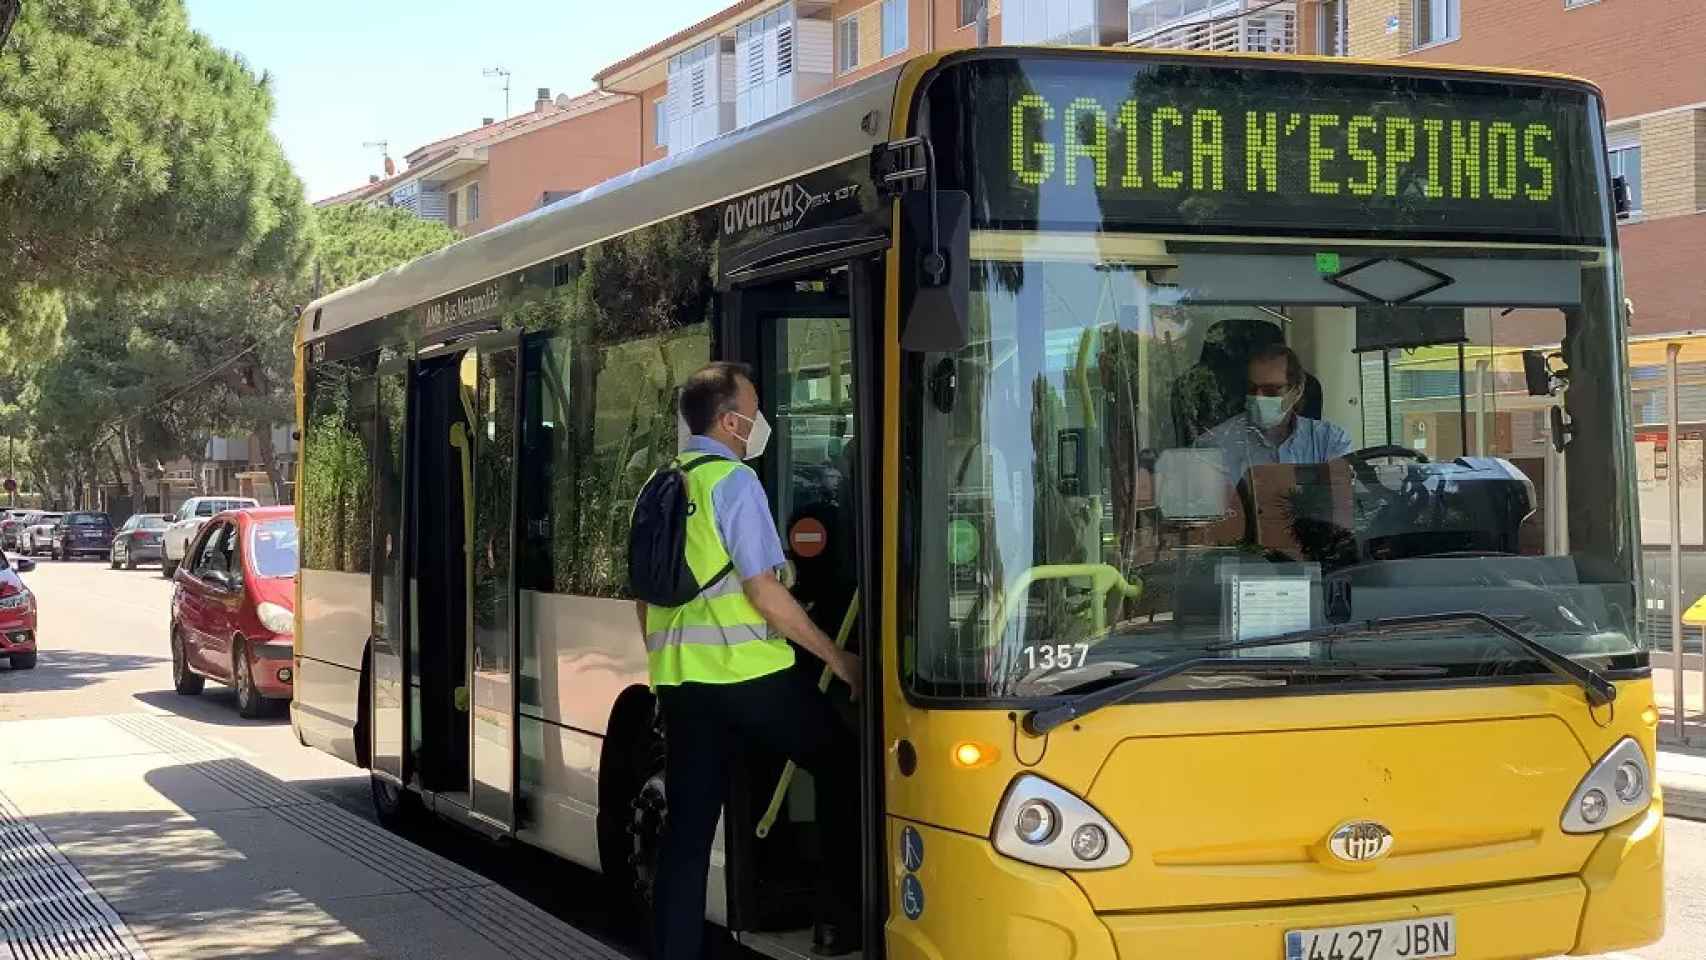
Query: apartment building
{"type": "Point", "coordinates": [757, 58]}
{"type": "Point", "coordinates": [493, 173]}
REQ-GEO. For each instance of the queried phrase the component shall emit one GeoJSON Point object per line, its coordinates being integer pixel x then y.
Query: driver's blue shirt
{"type": "Point", "coordinates": [1244, 446]}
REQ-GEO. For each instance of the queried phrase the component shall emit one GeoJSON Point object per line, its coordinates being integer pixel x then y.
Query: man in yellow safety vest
{"type": "Point", "coordinates": [721, 666]}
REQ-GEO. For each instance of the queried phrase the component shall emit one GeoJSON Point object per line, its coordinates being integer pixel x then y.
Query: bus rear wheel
{"type": "Point", "coordinates": [394, 806]}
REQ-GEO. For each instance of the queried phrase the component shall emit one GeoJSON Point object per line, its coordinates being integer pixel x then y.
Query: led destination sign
{"type": "Point", "coordinates": [1078, 142]}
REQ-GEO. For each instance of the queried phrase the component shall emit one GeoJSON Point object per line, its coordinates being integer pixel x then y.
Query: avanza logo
{"type": "Point", "coordinates": [786, 205]}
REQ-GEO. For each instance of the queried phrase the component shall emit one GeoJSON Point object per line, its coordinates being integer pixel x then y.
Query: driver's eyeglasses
{"type": "Point", "coordinates": [1269, 389]}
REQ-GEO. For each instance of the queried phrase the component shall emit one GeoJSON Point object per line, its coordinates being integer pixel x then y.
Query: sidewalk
{"type": "Point", "coordinates": [1682, 762]}
{"type": "Point", "coordinates": [128, 837]}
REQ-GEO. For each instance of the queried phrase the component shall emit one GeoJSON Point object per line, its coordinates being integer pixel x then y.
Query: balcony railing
{"type": "Point", "coordinates": [1228, 26]}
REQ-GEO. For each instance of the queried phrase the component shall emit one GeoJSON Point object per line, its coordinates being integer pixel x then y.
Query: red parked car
{"type": "Point", "coordinates": [17, 613]}
{"type": "Point", "coordinates": [233, 602]}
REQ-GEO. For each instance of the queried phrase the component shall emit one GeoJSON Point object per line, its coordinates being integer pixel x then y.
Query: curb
{"type": "Point", "coordinates": [1682, 778]}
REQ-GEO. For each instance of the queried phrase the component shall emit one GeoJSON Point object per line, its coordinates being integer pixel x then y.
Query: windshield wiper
{"type": "Point", "coordinates": [1598, 690]}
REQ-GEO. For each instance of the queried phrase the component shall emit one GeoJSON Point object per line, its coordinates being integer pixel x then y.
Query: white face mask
{"type": "Point", "coordinates": [1267, 412]}
{"type": "Point", "coordinates": [756, 438]}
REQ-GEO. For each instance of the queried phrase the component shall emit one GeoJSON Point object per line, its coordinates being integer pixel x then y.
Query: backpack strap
{"type": "Point", "coordinates": [701, 461]}
{"type": "Point", "coordinates": [729, 567]}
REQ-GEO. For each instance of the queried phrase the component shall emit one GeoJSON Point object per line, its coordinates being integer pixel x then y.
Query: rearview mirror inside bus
{"type": "Point", "coordinates": [935, 294]}
{"type": "Point", "coordinates": [1538, 374]}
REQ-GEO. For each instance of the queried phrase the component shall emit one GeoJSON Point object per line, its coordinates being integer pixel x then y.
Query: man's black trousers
{"type": "Point", "coordinates": [704, 723]}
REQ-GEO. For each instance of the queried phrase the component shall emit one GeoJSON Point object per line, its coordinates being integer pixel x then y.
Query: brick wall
{"type": "Point", "coordinates": [569, 155]}
{"type": "Point", "coordinates": [1670, 164]}
{"type": "Point", "coordinates": [1646, 55]}
{"type": "Point", "coordinates": [1369, 36]}
{"type": "Point", "coordinates": [1662, 274]}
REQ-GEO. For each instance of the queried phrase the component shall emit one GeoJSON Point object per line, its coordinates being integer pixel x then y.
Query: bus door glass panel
{"type": "Point", "coordinates": [810, 396]}
{"type": "Point", "coordinates": [388, 691]}
{"type": "Point", "coordinates": [492, 588]}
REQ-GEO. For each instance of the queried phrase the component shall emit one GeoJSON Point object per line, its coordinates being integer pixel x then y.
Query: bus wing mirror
{"type": "Point", "coordinates": [935, 270]}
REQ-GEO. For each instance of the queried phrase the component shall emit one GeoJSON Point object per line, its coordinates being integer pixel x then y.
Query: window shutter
{"type": "Point", "coordinates": [785, 49]}
{"type": "Point", "coordinates": [697, 87]}
{"type": "Point", "coordinates": [755, 59]}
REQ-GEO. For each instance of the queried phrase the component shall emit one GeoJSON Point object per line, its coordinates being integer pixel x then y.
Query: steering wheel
{"type": "Point", "coordinates": [1364, 471]}
{"type": "Point", "coordinates": [1386, 450]}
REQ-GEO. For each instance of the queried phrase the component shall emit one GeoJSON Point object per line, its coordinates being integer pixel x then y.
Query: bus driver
{"type": "Point", "coordinates": [1270, 430]}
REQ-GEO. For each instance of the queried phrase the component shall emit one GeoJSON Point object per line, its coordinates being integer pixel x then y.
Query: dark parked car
{"type": "Point", "coordinates": [82, 534]}
{"type": "Point", "coordinates": [139, 540]}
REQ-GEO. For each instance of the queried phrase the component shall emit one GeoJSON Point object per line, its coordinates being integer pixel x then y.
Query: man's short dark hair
{"type": "Point", "coordinates": [710, 392]}
{"type": "Point", "coordinates": [1274, 351]}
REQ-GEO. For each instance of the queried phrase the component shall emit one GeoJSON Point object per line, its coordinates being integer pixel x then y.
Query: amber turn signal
{"type": "Point", "coordinates": [969, 754]}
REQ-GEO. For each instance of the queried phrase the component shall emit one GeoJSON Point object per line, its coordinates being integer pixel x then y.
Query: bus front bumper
{"type": "Point", "coordinates": [1614, 903]}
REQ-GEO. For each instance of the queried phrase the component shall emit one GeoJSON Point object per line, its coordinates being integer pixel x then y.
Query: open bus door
{"type": "Point", "coordinates": [388, 674]}
{"type": "Point", "coordinates": [491, 582]}
{"type": "Point", "coordinates": [463, 609]}
{"type": "Point", "coordinates": [810, 338]}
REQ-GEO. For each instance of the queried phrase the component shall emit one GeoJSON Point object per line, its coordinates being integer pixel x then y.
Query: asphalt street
{"type": "Point", "coordinates": [104, 652]}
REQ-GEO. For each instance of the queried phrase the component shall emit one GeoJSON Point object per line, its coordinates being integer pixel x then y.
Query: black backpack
{"type": "Point", "coordinates": [657, 538]}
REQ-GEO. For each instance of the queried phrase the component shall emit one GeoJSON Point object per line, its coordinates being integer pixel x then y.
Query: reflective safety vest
{"type": "Point", "coordinates": [718, 636]}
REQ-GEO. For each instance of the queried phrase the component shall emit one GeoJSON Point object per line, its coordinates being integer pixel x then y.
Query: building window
{"type": "Point", "coordinates": [1436, 21]}
{"type": "Point", "coordinates": [1334, 38]}
{"type": "Point", "coordinates": [472, 202]}
{"type": "Point", "coordinates": [847, 43]}
{"type": "Point", "coordinates": [450, 209]}
{"type": "Point", "coordinates": [1577, 3]}
{"type": "Point", "coordinates": [660, 122]}
{"type": "Point", "coordinates": [968, 11]}
{"type": "Point", "coordinates": [1626, 163]}
{"type": "Point", "coordinates": [894, 26]}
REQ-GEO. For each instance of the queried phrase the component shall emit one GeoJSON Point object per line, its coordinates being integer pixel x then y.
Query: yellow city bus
{"type": "Point", "coordinates": [1155, 669]}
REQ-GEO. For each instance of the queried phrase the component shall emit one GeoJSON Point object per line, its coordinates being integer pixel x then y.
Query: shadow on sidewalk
{"type": "Point", "coordinates": [70, 670]}
{"type": "Point", "coordinates": [216, 704]}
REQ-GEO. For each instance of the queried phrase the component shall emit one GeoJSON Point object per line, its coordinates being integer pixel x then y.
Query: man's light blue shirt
{"type": "Point", "coordinates": [744, 520]}
{"type": "Point", "coordinates": [1245, 446]}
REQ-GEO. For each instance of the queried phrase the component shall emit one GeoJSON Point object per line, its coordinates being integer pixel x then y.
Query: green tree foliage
{"type": "Point", "coordinates": [134, 152]}
{"type": "Point", "coordinates": [358, 241]}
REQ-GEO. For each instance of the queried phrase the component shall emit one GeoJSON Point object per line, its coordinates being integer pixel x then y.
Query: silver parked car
{"type": "Point", "coordinates": [38, 532]}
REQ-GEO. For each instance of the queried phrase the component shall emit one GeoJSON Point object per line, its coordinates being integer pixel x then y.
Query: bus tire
{"type": "Point", "coordinates": [395, 807]}
{"type": "Point", "coordinates": [632, 808]}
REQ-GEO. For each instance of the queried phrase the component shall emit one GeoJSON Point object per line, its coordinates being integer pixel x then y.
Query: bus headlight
{"type": "Point", "coordinates": [1629, 782]}
{"type": "Point", "coordinates": [1618, 787]}
{"type": "Point", "coordinates": [1042, 823]}
{"type": "Point", "coordinates": [1036, 822]}
{"type": "Point", "coordinates": [1089, 842]}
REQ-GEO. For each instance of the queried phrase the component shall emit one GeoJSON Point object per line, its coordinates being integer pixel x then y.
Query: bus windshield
{"type": "Point", "coordinates": [1161, 441]}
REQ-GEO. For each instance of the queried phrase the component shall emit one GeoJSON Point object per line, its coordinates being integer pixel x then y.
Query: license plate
{"type": "Point", "coordinates": [1395, 940]}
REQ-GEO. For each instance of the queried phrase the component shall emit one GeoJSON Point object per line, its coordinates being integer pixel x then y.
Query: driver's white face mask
{"type": "Point", "coordinates": [757, 437]}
